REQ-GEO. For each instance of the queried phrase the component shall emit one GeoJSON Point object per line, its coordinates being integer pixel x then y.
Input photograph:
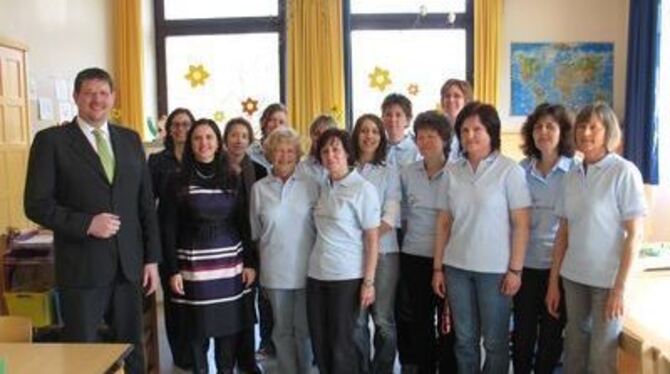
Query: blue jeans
{"type": "Point", "coordinates": [290, 333]}
{"type": "Point", "coordinates": [383, 316]}
{"type": "Point", "coordinates": [590, 339]}
{"type": "Point", "coordinates": [479, 310]}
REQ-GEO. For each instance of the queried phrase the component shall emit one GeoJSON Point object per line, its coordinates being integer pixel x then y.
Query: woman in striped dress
{"type": "Point", "coordinates": [211, 263]}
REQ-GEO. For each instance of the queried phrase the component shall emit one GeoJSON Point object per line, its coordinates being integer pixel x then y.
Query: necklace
{"type": "Point", "coordinates": [203, 175]}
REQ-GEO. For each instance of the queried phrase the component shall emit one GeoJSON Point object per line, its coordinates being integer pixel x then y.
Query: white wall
{"type": "Point", "coordinates": [564, 21]}
{"type": "Point", "coordinates": [576, 21]}
{"type": "Point", "coordinates": [63, 37]}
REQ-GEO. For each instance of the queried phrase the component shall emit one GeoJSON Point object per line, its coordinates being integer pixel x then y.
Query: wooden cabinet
{"type": "Point", "coordinates": [14, 133]}
{"type": "Point", "coordinates": [52, 332]}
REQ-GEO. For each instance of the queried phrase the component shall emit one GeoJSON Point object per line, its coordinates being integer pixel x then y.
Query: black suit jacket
{"type": "Point", "coordinates": [66, 187]}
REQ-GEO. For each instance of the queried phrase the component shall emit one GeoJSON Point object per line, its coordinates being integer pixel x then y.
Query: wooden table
{"type": "Point", "coordinates": [27, 358]}
{"type": "Point", "coordinates": [646, 333]}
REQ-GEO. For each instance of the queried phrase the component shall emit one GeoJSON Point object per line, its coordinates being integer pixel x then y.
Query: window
{"type": "Point", "coordinates": [411, 48]}
{"type": "Point", "coordinates": [198, 9]}
{"type": "Point", "coordinates": [220, 59]}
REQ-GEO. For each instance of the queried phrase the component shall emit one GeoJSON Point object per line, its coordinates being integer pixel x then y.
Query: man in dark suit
{"type": "Point", "coordinates": [89, 183]}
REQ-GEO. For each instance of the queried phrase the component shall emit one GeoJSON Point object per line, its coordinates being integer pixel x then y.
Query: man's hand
{"type": "Point", "coordinates": [104, 225]}
{"type": "Point", "coordinates": [150, 279]}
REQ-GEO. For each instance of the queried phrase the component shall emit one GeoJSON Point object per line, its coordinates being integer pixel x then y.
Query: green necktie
{"type": "Point", "coordinates": [105, 154]}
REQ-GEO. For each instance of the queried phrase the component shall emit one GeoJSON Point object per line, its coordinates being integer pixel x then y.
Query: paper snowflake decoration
{"type": "Point", "coordinates": [219, 116]}
{"type": "Point", "coordinates": [250, 106]}
{"type": "Point", "coordinates": [197, 75]}
{"type": "Point", "coordinates": [379, 79]}
{"type": "Point", "coordinates": [413, 89]}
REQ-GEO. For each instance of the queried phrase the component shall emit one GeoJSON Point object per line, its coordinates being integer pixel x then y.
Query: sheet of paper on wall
{"type": "Point", "coordinates": [46, 109]}
{"type": "Point", "coordinates": [65, 111]}
{"type": "Point", "coordinates": [61, 88]}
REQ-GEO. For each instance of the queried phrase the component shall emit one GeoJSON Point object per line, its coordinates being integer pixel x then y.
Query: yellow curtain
{"type": "Point", "coordinates": [488, 22]}
{"type": "Point", "coordinates": [315, 61]}
{"type": "Point", "coordinates": [128, 64]}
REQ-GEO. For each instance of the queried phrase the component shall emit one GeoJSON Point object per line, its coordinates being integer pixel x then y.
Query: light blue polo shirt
{"type": "Point", "coordinates": [544, 193]}
{"type": "Point", "coordinates": [387, 182]}
{"type": "Point", "coordinates": [313, 169]}
{"type": "Point", "coordinates": [345, 209]}
{"type": "Point", "coordinates": [419, 197]}
{"type": "Point", "coordinates": [403, 153]}
{"type": "Point", "coordinates": [454, 152]}
{"type": "Point", "coordinates": [255, 152]}
{"type": "Point", "coordinates": [479, 203]}
{"type": "Point", "coordinates": [281, 217]}
{"type": "Point", "coordinates": [596, 202]}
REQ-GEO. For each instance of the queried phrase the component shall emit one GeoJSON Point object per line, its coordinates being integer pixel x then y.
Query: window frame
{"type": "Point", "coordinates": [402, 21]}
{"type": "Point", "coordinates": [165, 28]}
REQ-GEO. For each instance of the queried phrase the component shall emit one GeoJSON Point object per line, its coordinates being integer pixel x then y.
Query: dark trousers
{"type": "Point", "coordinates": [533, 326]}
{"type": "Point", "coordinates": [265, 321]}
{"type": "Point", "coordinates": [119, 305]}
{"type": "Point", "coordinates": [332, 310]}
{"type": "Point", "coordinates": [229, 351]}
{"type": "Point", "coordinates": [236, 349]}
{"type": "Point", "coordinates": [175, 325]}
{"type": "Point", "coordinates": [417, 305]}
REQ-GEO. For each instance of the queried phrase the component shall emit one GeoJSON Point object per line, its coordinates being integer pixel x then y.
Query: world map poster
{"type": "Point", "coordinates": [572, 74]}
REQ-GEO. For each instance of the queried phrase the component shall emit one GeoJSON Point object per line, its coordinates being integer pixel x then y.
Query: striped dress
{"type": "Point", "coordinates": [209, 253]}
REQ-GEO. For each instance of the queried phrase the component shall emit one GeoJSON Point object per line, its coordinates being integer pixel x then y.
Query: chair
{"type": "Point", "coordinates": [15, 329]}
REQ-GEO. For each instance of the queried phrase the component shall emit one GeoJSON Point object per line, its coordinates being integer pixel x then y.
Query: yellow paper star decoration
{"type": "Point", "coordinates": [336, 112]}
{"type": "Point", "coordinates": [115, 115]}
{"type": "Point", "coordinates": [197, 75]}
{"type": "Point", "coordinates": [379, 79]}
{"type": "Point", "coordinates": [219, 116]}
{"type": "Point", "coordinates": [413, 89]}
{"type": "Point", "coordinates": [250, 106]}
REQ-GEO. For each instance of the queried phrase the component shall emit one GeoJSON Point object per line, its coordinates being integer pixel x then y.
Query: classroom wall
{"type": "Point", "coordinates": [564, 21]}
{"type": "Point", "coordinates": [575, 21]}
{"type": "Point", "coordinates": [63, 36]}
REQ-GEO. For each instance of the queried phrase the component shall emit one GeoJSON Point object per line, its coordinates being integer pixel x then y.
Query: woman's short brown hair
{"type": "Point", "coordinates": [606, 115]}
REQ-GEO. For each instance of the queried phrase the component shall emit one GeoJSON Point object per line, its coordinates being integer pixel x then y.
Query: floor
{"type": "Point", "coordinates": [269, 366]}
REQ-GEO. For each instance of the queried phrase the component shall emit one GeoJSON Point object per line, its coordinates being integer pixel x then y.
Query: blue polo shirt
{"type": "Point", "coordinates": [313, 169]}
{"type": "Point", "coordinates": [454, 152]}
{"type": "Point", "coordinates": [479, 203]}
{"type": "Point", "coordinates": [403, 153]}
{"type": "Point", "coordinates": [345, 209]}
{"type": "Point", "coordinates": [281, 217]}
{"type": "Point", "coordinates": [256, 153]}
{"type": "Point", "coordinates": [596, 202]}
{"type": "Point", "coordinates": [387, 182]}
{"type": "Point", "coordinates": [419, 198]}
{"type": "Point", "coordinates": [544, 192]}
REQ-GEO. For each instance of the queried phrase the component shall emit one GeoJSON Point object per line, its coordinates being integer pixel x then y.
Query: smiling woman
{"type": "Point", "coordinates": [209, 251]}
{"type": "Point", "coordinates": [341, 272]}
